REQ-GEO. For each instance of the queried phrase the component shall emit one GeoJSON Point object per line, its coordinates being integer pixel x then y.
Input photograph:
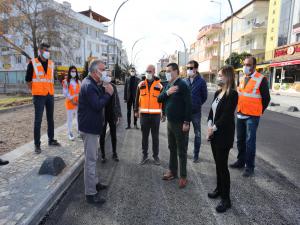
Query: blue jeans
{"type": "Point", "coordinates": [41, 102]}
{"type": "Point", "coordinates": [246, 140]}
{"type": "Point", "coordinates": [196, 121]}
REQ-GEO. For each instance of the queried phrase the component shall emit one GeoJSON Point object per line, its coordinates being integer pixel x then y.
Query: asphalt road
{"type": "Point", "coordinates": [138, 196]}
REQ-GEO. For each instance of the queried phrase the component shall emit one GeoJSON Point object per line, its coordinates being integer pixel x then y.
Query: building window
{"type": "Point", "coordinates": [272, 29]}
{"type": "Point", "coordinates": [98, 48]}
{"type": "Point", "coordinates": [284, 22]}
{"type": "Point", "coordinates": [89, 46]}
{"type": "Point", "coordinates": [78, 60]}
{"type": "Point", "coordinates": [18, 59]}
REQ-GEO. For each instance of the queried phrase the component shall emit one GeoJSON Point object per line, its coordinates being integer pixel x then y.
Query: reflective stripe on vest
{"type": "Point", "coordinates": [150, 110]}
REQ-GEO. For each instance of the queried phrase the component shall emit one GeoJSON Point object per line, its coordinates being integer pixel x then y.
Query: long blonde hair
{"type": "Point", "coordinates": [228, 72]}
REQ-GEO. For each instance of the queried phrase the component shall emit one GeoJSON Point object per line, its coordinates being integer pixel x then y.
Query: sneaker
{"type": "Point", "coordinates": [214, 194]}
{"type": "Point", "coordinates": [237, 165]}
{"type": "Point", "coordinates": [136, 127]}
{"type": "Point", "coordinates": [37, 149]}
{"type": "Point", "coordinates": [144, 160]}
{"type": "Point", "coordinates": [95, 199]}
{"type": "Point", "coordinates": [115, 157]}
{"type": "Point", "coordinates": [71, 137]}
{"type": "Point", "coordinates": [156, 161]}
{"type": "Point", "coordinates": [127, 128]}
{"type": "Point", "coordinates": [53, 143]}
{"type": "Point", "coordinates": [248, 172]}
{"type": "Point", "coordinates": [223, 206]}
{"type": "Point", "coordinates": [182, 182]}
{"type": "Point", "coordinates": [196, 160]}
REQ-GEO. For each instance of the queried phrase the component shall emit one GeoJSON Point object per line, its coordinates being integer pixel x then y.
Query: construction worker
{"type": "Point", "coordinates": [149, 111]}
{"type": "Point", "coordinates": [40, 81]}
{"type": "Point", "coordinates": [254, 98]}
{"type": "Point", "coordinates": [71, 89]}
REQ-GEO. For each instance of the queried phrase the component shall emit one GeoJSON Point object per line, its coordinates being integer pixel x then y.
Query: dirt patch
{"type": "Point", "coordinates": [16, 128]}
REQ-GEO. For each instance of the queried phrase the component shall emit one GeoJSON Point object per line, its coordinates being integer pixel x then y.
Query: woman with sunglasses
{"type": "Point", "coordinates": [221, 127]}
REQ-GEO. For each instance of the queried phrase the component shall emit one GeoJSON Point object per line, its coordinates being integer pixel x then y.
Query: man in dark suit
{"type": "Point", "coordinates": [131, 84]}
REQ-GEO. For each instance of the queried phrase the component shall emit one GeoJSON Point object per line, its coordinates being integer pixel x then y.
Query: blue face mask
{"type": "Point", "coordinates": [247, 70]}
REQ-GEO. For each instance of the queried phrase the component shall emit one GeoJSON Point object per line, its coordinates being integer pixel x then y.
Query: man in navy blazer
{"type": "Point", "coordinates": [199, 95]}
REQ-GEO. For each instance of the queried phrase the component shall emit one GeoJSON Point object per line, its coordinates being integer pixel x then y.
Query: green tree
{"type": "Point", "coordinates": [237, 59]}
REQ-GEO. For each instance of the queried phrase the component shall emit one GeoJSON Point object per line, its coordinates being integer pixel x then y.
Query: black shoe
{"type": "Point", "coordinates": [127, 128]}
{"type": "Point", "coordinates": [196, 160]}
{"type": "Point", "coordinates": [95, 199]}
{"type": "Point", "coordinates": [156, 161]}
{"type": "Point", "coordinates": [100, 187]}
{"type": "Point", "coordinates": [144, 160]}
{"type": "Point", "coordinates": [115, 157]}
{"type": "Point", "coordinates": [136, 127]}
{"type": "Point", "coordinates": [223, 206]}
{"type": "Point", "coordinates": [3, 162]}
{"type": "Point", "coordinates": [37, 149]}
{"type": "Point", "coordinates": [248, 172]}
{"type": "Point", "coordinates": [237, 165]}
{"type": "Point", "coordinates": [214, 194]}
{"type": "Point", "coordinates": [53, 143]}
{"type": "Point", "coordinates": [103, 160]}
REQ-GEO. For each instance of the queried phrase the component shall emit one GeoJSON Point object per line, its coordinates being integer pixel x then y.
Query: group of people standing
{"type": "Point", "coordinates": [95, 103]}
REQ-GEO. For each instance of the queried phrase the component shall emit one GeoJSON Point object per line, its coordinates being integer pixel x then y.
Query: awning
{"type": "Point", "coordinates": [286, 63]}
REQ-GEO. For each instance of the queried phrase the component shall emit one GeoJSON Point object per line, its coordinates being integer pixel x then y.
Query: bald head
{"type": "Point", "coordinates": [151, 69]}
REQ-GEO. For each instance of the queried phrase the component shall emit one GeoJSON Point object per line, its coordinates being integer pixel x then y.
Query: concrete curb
{"type": "Point", "coordinates": [24, 106]}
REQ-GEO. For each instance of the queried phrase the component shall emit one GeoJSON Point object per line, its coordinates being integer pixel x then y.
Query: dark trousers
{"type": "Point", "coordinates": [223, 176]}
{"type": "Point", "coordinates": [177, 146]}
{"type": "Point", "coordinates": [130, 107]}
{"type": "Point", "coordinates": [40, 102]}
{"type": "Point", "coordinates": [246, 140]}
{"type": "Point", "coordinates": [150, 122]}
{"type": "Point", "coordinates": [113, 136]}
{"type": "Point", "coordinates": [196, 121]}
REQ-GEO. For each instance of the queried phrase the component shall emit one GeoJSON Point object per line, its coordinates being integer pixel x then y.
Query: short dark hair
{"type": "Point", "coordinates": [174, 66]}
{"type": "Point", "coordinates": [132, 68]}
{"type": "Point", "coordinates": [253, 59]}
{"type": "Point", "coordinates": [195, 63]}
{"type": "Point", "coordinates": [44, 45]}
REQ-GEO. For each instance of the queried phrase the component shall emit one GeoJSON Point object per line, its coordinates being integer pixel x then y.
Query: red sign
{"type": "Point", "coordinates": [286, 63]}
{"type": "Point", "coordinates": [290, 50]}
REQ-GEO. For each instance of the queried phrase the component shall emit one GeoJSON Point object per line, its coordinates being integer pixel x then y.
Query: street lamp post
{"type": "Point", "coordinates": [136, 56]}
{"type": "Point", "coordinates": [185, 49]}
{"type": "Point", "coordinates": [220, 21]}
{"type": "Point", "coordinates": [231, 31]}
{"type": "Point", "coordinates": [134, 44]}
{"type": "Point", "coordinates": [114, 32]}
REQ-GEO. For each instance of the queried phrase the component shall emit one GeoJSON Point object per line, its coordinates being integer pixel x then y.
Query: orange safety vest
{"type": "Point", "coordinates": [73, 95]}
{"type": "Point", "coordinates": [42, 82]}
{"type": "Point", "coordinates": [250, 100]}
{"type": "Point", "coordinates": [148, 98]}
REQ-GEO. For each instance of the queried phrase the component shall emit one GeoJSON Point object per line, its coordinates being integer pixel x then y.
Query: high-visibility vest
{"type": "Point", "coordinates": [250, 100]}
{"type": "Point", "coordinates": [148, 98]}
{"type": "Point", "coordinates": [73, 95]}
{"type": "Point", "coordinates": [42, 82]}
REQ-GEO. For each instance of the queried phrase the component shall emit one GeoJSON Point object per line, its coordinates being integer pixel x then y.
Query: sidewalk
{"type": "Point", "coordinates": [25, 196]}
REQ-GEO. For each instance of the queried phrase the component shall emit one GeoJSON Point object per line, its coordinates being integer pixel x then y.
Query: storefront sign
{"type": "Point", "coordinates": [289, 50]}
{"type": "Point", "coordinates": [296, 28]}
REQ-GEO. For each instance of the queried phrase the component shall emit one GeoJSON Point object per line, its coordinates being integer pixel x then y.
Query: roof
{"type": "Point", "coordinates": [245, 6]}
{"type": "Point", "coordinates": [95, 16]}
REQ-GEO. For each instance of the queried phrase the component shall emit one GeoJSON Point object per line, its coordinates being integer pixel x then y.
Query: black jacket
{"type": "Point", "coordinates": [130, 91]}
{"type": "Point", "coordinates": [113, 107]}
{"type": "Point", "coordinates": [225, 119]}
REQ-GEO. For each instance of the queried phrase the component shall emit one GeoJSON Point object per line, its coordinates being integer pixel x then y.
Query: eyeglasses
{"type": "Point", "coordinates": [190, 68]}
{"type": "Point", "coordinates": [148, 71]}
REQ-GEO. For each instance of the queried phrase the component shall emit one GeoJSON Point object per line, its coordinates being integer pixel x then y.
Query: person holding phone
{"type": "Point", "coordinates": [221, 128]}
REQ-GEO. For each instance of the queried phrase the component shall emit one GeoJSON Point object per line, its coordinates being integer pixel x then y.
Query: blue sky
{"type": "Point", "coordinates": [156, 20]}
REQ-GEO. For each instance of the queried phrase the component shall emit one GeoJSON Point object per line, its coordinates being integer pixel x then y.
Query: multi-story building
{"type": "Point", "coordinates": [89, 41]}
{"type": "Point", "coordinates": [283, 45]}
{"type": "Point", "coordinates": [249, 30]}
{"type": "Point", "coordinates": [206, 50]}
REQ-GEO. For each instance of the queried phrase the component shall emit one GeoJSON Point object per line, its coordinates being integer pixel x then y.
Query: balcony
{"type": "Point", "coordinates": [211, 44]}
{"type": "Point", "coordinates": [257, 28]}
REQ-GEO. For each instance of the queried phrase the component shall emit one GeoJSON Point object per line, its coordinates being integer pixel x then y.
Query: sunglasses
{"type": "Point", "coordinates": [190, 68]}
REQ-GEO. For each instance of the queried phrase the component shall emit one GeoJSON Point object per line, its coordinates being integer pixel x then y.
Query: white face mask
{"type": "Point", "coordinates": [247, 70]}
{"type": "Point", "coordinates": [220, 82]}
{"type": "Point", "coordinates": [46, 55]}
{"type": "Point", "coordinates": [106, 79]}
{"type": "Point", "coordinates": [168, 76]}
{"type": "Point", "coordinates": [73, 74]}
{"type": "Point", "coordinates": [132, 73]}
{"type": "Point", "coordinates": [149, 76]}
{"type": "Point", "coordinates": [104, 76]}
{"type": "Point", "coordinates": [190, 73]}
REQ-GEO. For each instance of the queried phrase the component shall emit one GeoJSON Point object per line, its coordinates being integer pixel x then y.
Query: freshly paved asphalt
{"type": "Point", "coordinates": [138, 196]}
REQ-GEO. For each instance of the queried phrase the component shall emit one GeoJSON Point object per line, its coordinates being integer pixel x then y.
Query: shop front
{"type": "Point", "coordinates": [286, 69]}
